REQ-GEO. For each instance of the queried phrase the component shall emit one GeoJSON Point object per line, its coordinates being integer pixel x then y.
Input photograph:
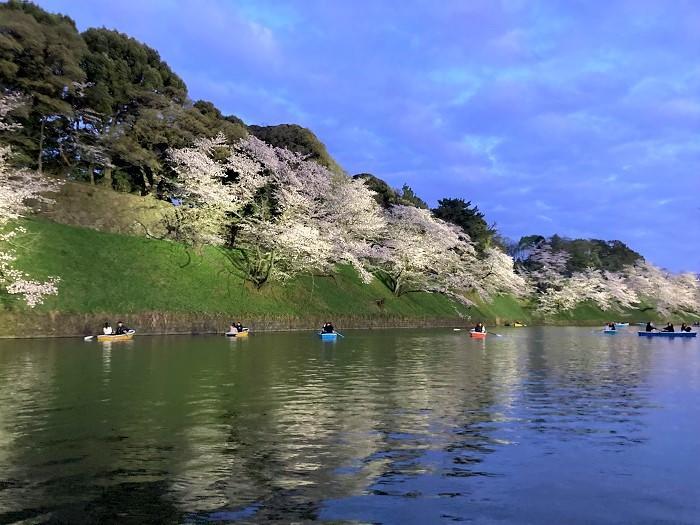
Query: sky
{"type": "Point", "coordinates": [571, 117]}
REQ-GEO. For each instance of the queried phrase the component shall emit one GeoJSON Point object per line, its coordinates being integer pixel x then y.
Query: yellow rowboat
{"type": "Point", "coordinates": [244, 333]}
{"type": "Point", "coordinates": [519, 325]}
{"type": "Point", "coordinates": [111, 338]}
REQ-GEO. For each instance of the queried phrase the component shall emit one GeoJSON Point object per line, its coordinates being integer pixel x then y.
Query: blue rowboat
{"type": "Point", "coordinates": [667, 334]}
{"type": "Point", "coordinates": [609, 331]}
{"type": "Point", "coordinates": [328, 337]}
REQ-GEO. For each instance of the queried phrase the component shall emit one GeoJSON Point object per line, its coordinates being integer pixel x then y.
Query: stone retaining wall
{"type": "Point", "coordinates": [57, 324]}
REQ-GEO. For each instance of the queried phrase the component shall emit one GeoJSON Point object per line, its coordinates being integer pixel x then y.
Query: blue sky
{"type": "Point", "coordinates": [571, 117]}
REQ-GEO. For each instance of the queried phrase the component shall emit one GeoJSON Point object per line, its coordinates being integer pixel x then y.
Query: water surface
{"type": "Point", "coordinates": [542, 425]}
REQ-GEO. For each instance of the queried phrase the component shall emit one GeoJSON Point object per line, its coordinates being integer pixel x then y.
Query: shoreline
{"type": "Point", "coordinates": [15, 325]}
{"type": "Point", "coordinates": [22, 325]}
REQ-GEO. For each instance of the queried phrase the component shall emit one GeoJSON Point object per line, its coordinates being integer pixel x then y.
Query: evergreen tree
{"type": "Point", "coordinates": [467, 217]}
{"type": "Point", "coordinates": [40, 56]}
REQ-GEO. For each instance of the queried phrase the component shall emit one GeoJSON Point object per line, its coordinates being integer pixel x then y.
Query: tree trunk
{"type": "Point", "coordinates": [146, 183]}
{"type": "Point", "coordinates": [107, 177]}
{"type": "Point", "coordinates": [41, 146]}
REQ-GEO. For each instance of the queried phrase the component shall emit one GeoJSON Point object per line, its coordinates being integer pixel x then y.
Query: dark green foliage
{"type": "Point", "coordinates": [587, 253]}
{"type": "Point", "coordinates": [141, 109]}
{"type": "Point", "coordinates": [530, 241]}
{"type": "Point", "coordinates": [298, 139]}
{"type": "Point", "coordinates": [40, 56]}
{"type": "Point", "coordinates": [386, 196]}
{"type": "Point", "coordinates": [100, 106]}
{"type": "Point", "coordinates": [409, 196]}
{"type": "Point", "coordinates": [470, 219]}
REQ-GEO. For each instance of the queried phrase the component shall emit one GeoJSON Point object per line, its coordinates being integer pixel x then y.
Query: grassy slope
{"type": "Point", "coordinates": [103, 272]}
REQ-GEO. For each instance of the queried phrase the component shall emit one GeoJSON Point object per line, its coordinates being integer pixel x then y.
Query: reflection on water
{"type": "Point", "coordinates": [539, 426]}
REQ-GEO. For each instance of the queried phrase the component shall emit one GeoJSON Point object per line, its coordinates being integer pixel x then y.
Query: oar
{"type": "Point", "coordinates": [341, 335]}
{"type": "Point", "coordinates": [88, 338]}
{"type": "Point", "coordinates": [494, 333]}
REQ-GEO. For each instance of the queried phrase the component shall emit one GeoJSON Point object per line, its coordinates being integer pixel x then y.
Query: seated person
{"type": "Point", "coordinates": [328, 328]}
{"type": "Point", "coordinates": [122, 328]}
{"type": "Point", "coordinates": [650, 327]}
{"type": "Point", "coordinates": [669, 328]}
{"type": "Point", "coordinates": [233, 329]}
{"type": "Point", "coordinates": [107, 329]}
{"type": "Point", "coordinates": [239, 327]}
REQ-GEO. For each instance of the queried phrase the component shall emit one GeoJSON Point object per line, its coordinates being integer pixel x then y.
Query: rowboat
{"type": "Point", "coordinates": [609, 331]}
{"type": "Point", "coordinates": [328, 336]}
{"type": "Point", "coordinates": [244, 333]}
{"type": "Point", "coordinates": [621, 325]}
{"type": "Point", "coordinates": [477, 335]}
{"type": "Point", "coordinates": [519, 325]}
{"type": "Point", "coordinates": [667, 334]}
{"type": "Point", "coordinates": [121, 337]}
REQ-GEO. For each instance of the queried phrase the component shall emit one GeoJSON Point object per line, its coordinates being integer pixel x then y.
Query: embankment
{"type": "Point", "coordinates": [160, 287]}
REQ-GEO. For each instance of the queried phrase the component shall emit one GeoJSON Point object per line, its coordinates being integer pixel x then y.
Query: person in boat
{"type": "Point", "coordinates": [233, 329]}
{"type": "Point", "coordinates": [239, 327]}
{"type": "Point", "coordinates": [668, 328]}
{"type": "Point", "coordinates": [328, 328]}
{"type": "Point", "coordinates": [479, 327]}
{"type": "Point", "coordinates": [685, 328]}
{"type": "Point", "coordinates": [650, 327]}
{"type": "Point", "coordinates": [107, 329]}
{"type": "Point", "coordinates": [121, 329]}
{"type": "Point", "coordinates": [611, 326]}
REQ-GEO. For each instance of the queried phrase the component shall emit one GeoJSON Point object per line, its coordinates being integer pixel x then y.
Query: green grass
{"type": "Point", "coordinates": [504, 308]}
{"type": "Point", "coordinates": [104, 272]}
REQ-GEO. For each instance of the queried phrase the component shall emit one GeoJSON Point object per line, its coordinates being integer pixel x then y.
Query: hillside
{"type": "Point", "coordinates": [158, 287]}
{"type": "Point", "coordinates": [107, 275]}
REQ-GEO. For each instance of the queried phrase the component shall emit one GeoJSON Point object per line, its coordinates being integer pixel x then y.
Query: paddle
{"type": "Point", "coordinates": [341, 335]}
{"type": "Point", "coordinates": [88, 338]}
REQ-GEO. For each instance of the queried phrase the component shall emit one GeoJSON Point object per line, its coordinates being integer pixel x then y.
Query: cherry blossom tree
{"type": "Point", "coordinates": [667, 292]}
{"type": "Point", "coordinates": [555, 290]}
{"type": "Point", "coordinates": [17, 187]}
{"type": "Point", "coordinates": [262, 205]}
{"type": "Point", "coordinates": [494, 273]}
{"type": "Point", "coordinates": [356, 221]}
{"type": "Point", "coordinates": [420, 252]}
